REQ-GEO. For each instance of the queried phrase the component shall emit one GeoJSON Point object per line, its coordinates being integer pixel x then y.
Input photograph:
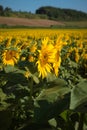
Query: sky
{"type": "Point", "coordinates": [32, 5]}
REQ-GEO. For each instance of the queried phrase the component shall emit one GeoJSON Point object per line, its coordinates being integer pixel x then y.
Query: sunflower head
{"type": "Point", "coordinates": [46, 58]}
{"type": "Point", "coordinates": [10, 57]}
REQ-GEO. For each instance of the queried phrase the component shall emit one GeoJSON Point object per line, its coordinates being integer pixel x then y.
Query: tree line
{"type": "Point", "coordinates": [46, 12]}
{"type": "Point", "coordinates": [5, 12]}
{"type": "Point", "coordinates": [62, 14]}
{"type": "Point", "coordinates": [8, 12]}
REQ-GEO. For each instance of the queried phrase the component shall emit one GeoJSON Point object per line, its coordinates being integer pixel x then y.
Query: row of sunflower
{"type": "Point", "coordinates": [36, 59]}
{"type": "Point", "coordinates": [43, 49]}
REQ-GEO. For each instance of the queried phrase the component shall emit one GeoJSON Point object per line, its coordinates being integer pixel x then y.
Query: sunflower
{"type": "Point", "coordinates": [56, 66]}
{"type": "Point", "coordinates": [27, 74]}
{"type": "Point", "coordinates": [57, 61]}
{"type": "Point", "coordinates": [45, 59]}
{"type": "Point", "coordinates": [33, 48]}
{"type": "Point", "coordinates": [10, 57]}
{"type": "Point", "coordinates": [31, 58]}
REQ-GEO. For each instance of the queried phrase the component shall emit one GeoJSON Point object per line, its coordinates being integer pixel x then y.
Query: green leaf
{"type": "Point", "coordinates": [13, 69]}
{"type": "Point", "coordinates": [3, 97]}
{"type": "Point", "coordinates": [18, 91]}
{"type": "Point", "coordinates": [73, 64]}
{"type": "Point", "coordinates": [51, 101]}
{"type": "Point", "coordinates": [36, 80]}
{"type": "Point", "coordinates": [10, 68]}
{"type": "Point", "coordinates": [79, 97]}
{"type": "Point", "coordinates": [64, 115]}
{"type": "Point", "coordinates": [53, 122]}
{"type": "Point", "coordinates": [51, 77]}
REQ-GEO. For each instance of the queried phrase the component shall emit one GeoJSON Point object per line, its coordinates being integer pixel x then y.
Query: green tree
{"type": "Point", "coordinates": [62, 14]}
{"type": "Point", "coordinates": [7, 11]}
{"type": "Point", "coordinates": [1, 10]}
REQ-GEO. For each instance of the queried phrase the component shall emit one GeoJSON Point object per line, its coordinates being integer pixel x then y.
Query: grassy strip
{"type": "Point", "coordinates": [67, 26]}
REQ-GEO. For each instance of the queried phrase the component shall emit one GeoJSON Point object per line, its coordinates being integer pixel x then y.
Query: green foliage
{"type": "Point", "coordinates": [79, 97]}
{"type": "Point", "coordinates": [1, 10]}
{"type": "Point", "coordinates": [62, 14]}
{"type": "Point", "coordinates": [52, 101]}
{"type": "Point", "coordinates": [3, 97]}
{"type": "Point", "coordinates": [31, 103]}
{"type": "Point", "coordinates": [8, 12]}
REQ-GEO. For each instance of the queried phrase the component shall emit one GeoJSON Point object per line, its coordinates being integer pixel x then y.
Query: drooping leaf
{"type": "Point", "coordinates": [14, 75]}
{"type": "Point", "coordinates": [79, 97]}
{"type": "Point", "coordinates": [51, 101]}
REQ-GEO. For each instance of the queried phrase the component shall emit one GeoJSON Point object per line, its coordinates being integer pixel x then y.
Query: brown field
{"type": "Point", "coordinates": [11, 21]}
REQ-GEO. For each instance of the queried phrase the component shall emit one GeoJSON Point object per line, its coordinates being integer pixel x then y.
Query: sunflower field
{"type": "Point", "coordinates": [43, 79]}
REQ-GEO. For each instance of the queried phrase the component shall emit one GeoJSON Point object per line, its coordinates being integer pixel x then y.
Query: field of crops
{"type": "Point", "coordinates": [43, 79]}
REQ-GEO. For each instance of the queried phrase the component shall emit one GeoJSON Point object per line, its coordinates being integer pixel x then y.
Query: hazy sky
{"type": "Point", "coordinates": [32, 5]}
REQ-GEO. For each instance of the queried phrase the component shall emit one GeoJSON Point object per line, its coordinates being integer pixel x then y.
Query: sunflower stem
{"type": "Point", "coordinates": [31, 87]}
{"type": "Point", "coordinates": [81, 121]}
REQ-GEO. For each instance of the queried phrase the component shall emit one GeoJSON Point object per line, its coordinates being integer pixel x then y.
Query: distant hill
{"type": "Point", "coordinates": [43, 17]}
{"type": "Point", "coordinates": [46, 12]}
{"type": "Point", "coordinates": [62, 14]}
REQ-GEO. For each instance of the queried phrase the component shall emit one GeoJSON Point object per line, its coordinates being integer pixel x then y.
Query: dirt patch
{"type": "Point", "coordinates": [11, 21]}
